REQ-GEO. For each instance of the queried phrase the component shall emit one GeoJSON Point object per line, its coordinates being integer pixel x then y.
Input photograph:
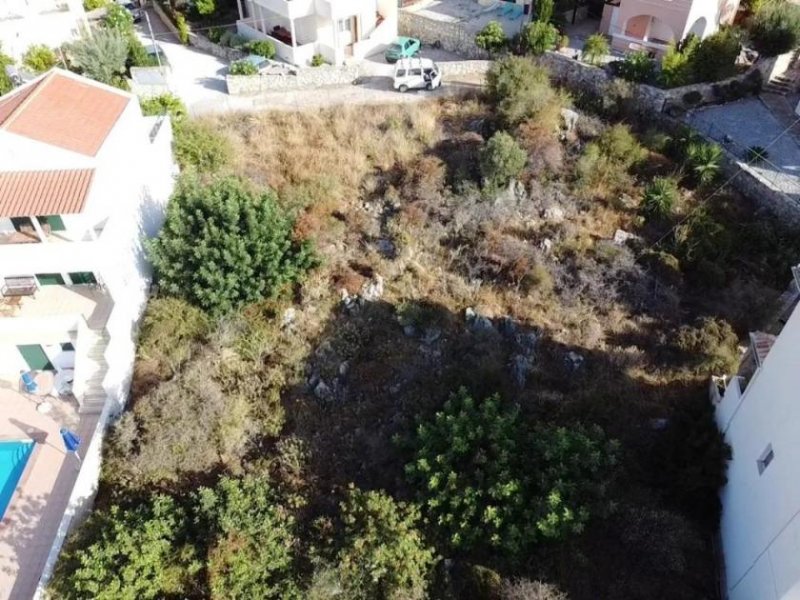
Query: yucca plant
{"type": "Point", "coordinates": [703, 160]}
{"type": "Point", "coordinates": [757, 154]}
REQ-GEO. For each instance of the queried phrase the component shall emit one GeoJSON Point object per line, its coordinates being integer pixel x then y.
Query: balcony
{"type": "Point", "coordinates": [57, 302]}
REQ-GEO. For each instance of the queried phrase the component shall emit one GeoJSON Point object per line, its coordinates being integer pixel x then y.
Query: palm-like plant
{"type": "Point", "coordinates": [595, 49]}
{"type": "Point", "coordinates": [703, 161]}
{"type": "Point", "coordinates": [659, 197]}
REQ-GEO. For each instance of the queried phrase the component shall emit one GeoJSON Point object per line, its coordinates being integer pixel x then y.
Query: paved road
{"type": "Point", "coordinates": [198, 79]}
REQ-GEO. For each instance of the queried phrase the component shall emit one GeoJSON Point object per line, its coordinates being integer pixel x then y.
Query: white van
{"type": "Point", "coordinates": [416, 74]}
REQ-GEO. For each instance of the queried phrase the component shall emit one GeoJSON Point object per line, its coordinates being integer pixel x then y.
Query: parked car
{"type": "Point", "coordinates": [402, 47]}
{"type": "Point", "coordinates": [416, 74]}
{"type": "Point", "coordinates": [136, 12]}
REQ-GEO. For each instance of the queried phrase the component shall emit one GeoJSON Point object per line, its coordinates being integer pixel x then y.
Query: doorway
{"type": "Point", "coordinates": [35, 357]}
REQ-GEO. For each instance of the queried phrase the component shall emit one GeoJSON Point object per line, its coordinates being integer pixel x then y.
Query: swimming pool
{"type": "Point", "coordinates": [13, 458]}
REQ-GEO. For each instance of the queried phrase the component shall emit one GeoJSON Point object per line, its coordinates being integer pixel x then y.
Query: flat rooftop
{"type": "Point", "coordinates": [471, 14]}
{"type": "Point", "coordinates": [53, 300]}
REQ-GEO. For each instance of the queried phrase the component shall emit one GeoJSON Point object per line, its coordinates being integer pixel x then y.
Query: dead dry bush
{"type": "Point", "coordinates": [545, 152]}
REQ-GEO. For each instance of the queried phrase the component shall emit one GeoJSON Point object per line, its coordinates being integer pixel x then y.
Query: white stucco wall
{"type": "Point", "coordinates": [760, 525]}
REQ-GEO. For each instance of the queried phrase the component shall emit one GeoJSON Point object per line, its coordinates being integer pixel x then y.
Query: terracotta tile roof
{"type": "Point", "coordinates": [63, 110]}
{"type": "Point", "coordinates": [26, 193]}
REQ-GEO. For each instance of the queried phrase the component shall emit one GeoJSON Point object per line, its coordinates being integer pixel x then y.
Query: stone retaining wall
{"type": "Point", "coordinates": [463, 67]}
{"type": "Point", "coordinates": [451, 36]}
{"type": "Point", "coordinates": [306, 78]}
{"type": "Point", "coordinates": [197, 40]}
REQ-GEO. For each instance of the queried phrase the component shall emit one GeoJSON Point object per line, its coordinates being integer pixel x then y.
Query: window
{"type": "Point", "coordinates": [67, 347]}
{"type": "Point", "coordinates": [50, 279]}
{"type": "Point", "coordinates": [22, 224]}
{"type": "Point", "coordinates": [416, 72]}
{"type": "Point", "coordinates": [345, 25]}
{"type": "Point", "coordinates": [765, 459]}
{"type": "Point", "coordinates": [55, 222]}
{"type": "Point", "coordinates": [401, 72]}
{"type": "Point", "coordinates": [83, 278]}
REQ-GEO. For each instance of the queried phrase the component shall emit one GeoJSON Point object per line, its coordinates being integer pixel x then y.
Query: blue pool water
{"type": "Point", "coordinates": [13, 458]}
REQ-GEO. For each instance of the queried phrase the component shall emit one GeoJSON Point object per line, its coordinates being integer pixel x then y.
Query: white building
{"type": "Point", "coordinates": [84, 177]}
{"type": "Point", "coordinates": [760, 525]}
{"type": "Point", "coordinates": [336, 29]}
{"type": "Point", "coordinates": [49, 22]}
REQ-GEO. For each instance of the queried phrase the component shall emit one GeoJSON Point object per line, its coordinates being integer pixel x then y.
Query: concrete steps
{"type": "Point", "coordinates": [93, 371]}
{"type": "Point", "coordinates": [782, 84]}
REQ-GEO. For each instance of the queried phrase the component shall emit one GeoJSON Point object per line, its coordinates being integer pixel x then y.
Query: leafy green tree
{"type": "Point", "coordinates": [132, 554]}
{"type": "Point", "coordinates": [197, 145]}
{"type": "Point", "coordinates": [39, 58]}
{"type": "Point", "coordinates": [224, 245]}
{"type": "Point", "coordinates": [521, 89]}
{"type": "Point", "coordinates": [595, 49]}
{"type": "Point", "coordinates": [253, 538]}
{"type": "Point", "coordinates": [501, 159]}
{"type": "Point", "coordinates": [637, 67]}
{"type": "Point", "coordinates": [775, 28]}
{"type": "Point", "coordinates": [164, 104]}
{"type": "Point", "coordinates": [715, 56]}
{"type": "Point", "coordinates": [677, 64]}
{"type": "Point", "coordinates": [383, 555]}
{"type": "Point", "coordinates": [6, 85]}
{"type": "Point", "coordinates": [539, 37]}
{"type": "Point", "coordinates": [102, 55]}
{"type": "Point", "coordinates": [90, 5]}
{"type": "Point", "coordinates": [205, 8]}
{"type": "Point", "coordinates": [572, 467]}
{"type": "Point", "coordinates": [491, 38]}
{"type": "Point", "coordinates": [703, 161]}
{"type": "Point", "coordinates": [465, 471]}
{"type": "Point", "coordinates": [660, 196]}
{"type": "Point", "coordinates": [119, 18]}
{"type": "Point", "coordinates": [488, 483]}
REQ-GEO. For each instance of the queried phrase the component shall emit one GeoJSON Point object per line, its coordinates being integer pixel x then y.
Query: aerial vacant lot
{"type": "Point", "coordinates": [475, 367]}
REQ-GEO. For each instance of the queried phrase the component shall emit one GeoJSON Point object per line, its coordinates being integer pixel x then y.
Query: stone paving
{"type": "Point", "coordinates": [745, 123]}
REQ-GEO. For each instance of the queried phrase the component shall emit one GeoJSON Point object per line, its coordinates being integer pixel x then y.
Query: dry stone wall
{"type": "Point", "coordinates": [450, 35]}
{"type": "Point", "coordinates": [306, 78]}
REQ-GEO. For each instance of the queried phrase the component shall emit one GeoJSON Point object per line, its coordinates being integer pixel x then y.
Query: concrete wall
{"type": "Point", "coordinates": [453, 37]}
{"type": "Point", "coordinates": [760, 528]}
{"type": "Point", "coordinates": [306, 78]}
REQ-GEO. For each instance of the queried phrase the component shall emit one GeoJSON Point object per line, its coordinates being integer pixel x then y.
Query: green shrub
{"type": "Point", "coordinates": [118, 17]}
{"type": "Point", "coordinates": [563, 42]}
{"type": "Point", "coordinates": [215, 34]}
{"type": "Point", "coordinates": [39, 58]}
{"type": "Point", "coordinates": [243, 67]}
{"type": "Point", "coordinates": [595, 49]}
{"type": "Point", "coordinates": [703, 241]}
{"type": "Point", "coordinates": [715, 56]}
{"type": "Point", "coordinates": [317, 60]}
{"type": "Point", "coordinates": [198, 145]}
{"type": "Point", "coordinates": [501, 159]}
{"type": "Point", "coordinates": [637, 67]}
{"type": "Point", "coordinates": [703, 161]}
{"type": "Point", "coordinates": [711, 345]}
{"type": "Point", "coordinates": [677, 64]}
{"type": "Point", "coordinates": [170, 329]}
{"type": "Point", "coordinates": [756, 154]}
{"type": "Point", "coordinates": [263, 48]}
{"type": "Point", "coordinates": [520, 89]}
{"type": "Point", "coordinates": [252, 538]}
{"type": "Point", "coordinates": [692, 457]}
{"type": "Point", "coordinates": [183, 28]}
{"type": "Point", "coordinates": [224, 245]}
{"type": "Point", "coordinates": [490, 484]}
{"type": "Point", "coordinates": [603, 169]}
{"type": "Point", "coordinates": [775, 28]}
{"type": "Point", "coordinates": [539, 37]}
{"type": "Point", "coordinates": [237, 41]}
{"type": "Point", "coordinates": [6, 85]}
{"type": "Point", "coordinates": [660, 197]}
{"type": "Point", "coordinates": [101, 56]}
{"type": "Point", "coordinates": [164, 104]}
{"type": "Point", "coordinates": [134, 553]}
{"type": "Point", "coordinates": [383, 554]}
{"type": "Point", "coordinates": [205, 8]}
{"type": "Point", "coordinates": [491, 38]}
{"type": "Point", "coordinates": [621, 146]}
{"type": "Point", "coordinates": [90, 5]}
{"type": "Point", "coordinates": [137, 53]}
